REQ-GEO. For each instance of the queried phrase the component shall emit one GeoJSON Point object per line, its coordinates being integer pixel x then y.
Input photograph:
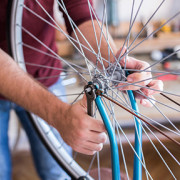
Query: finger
{"type": "Point", "coordinates": [148, 102]}
{"type": "Point", "coordinates": [88, 147]}
{"type": "Point", "coordinates": [156, 86]}
{"type": "Point", "coordinates": [84, 150]}
{"type": "Point", "coordinates": [92, 146]}
{"type": "Point", "coordinates": [140, 94]}
{"type": "Point", "coordinates": [96, 137]}
{"type": "Point", "coordinates": [83, 102]}
{"type": "Point", "coordinates": [143, 93]}
{"type": "Point", "coordinates": [133, 63]}
{"type": "Point", "coordinates": [140, 78]}
{"type": "Point", "coordinates": [120, 53]}
{"type": "Point", "coordinates": [90, 140]}
{"type": "Point", "coordinates": [135, 81]}
{"type": "Point", "coordinates": [92, 130]}
{"type": "Point", "coordinates": [96, 125]}
{"type": "Point", "coordinates": [92, 136]}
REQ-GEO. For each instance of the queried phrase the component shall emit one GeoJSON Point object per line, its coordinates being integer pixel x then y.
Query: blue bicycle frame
{"type": "Point", "coordinates": [137, 173]}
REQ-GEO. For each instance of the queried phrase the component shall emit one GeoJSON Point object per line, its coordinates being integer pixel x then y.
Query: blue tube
{"type": "Point", "coordinates": [112, 138]}
{"type": "Point", "coordinates": [137, 170]}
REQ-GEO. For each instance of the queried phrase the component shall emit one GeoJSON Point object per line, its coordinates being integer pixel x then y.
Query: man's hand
{"type": "Point", "coordinates": [140, 80]}
{"type": "Point", "coordinates": [82, 132]}
{"type": "Point", "coordinates": [79, 130]}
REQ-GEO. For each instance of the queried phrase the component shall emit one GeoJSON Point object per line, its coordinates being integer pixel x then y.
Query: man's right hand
{"type": "Point", "coordinates": [79, 130]}
{"type": "Point", "coordinates": [82, 132]}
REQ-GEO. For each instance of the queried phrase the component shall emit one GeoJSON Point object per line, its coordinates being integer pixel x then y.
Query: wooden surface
{"type": "Point", "coordinates": [24, 169]}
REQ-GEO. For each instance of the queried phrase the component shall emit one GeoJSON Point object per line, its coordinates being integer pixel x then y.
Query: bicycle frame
{"type": "Point", "coordinates": [137, 173]}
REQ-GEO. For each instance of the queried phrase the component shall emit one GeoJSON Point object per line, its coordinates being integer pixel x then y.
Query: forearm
{"type": "Point", "coordinates": [20, 88]}
{"type": "Point", "coordinates": [88, 31]}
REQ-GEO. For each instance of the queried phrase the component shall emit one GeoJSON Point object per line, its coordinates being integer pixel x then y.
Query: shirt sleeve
{"type": "Point", "coordinates": [79, 12]}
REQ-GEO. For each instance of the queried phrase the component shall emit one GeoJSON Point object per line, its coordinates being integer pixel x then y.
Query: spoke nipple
{"type": "Point", "coordinates": [99, 92]}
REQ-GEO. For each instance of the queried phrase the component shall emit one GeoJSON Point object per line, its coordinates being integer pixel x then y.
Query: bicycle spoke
{"type": "Point", "coordinates": [122, 152]}
{"type": "Point", "coordinates": [90, 166]}
{"type": "Point", "coordinates": [147, 23]}
{"type": "Point", "coordinates": [57, 27]}
{"type": "Point", "coordinates": [112, 113]}
{"type": "Point", "coordinates": [133, 149]}
{"type": "Point", "coordinates": [136, 84]}
{"type": "Point", "coordinates": [154, 32]}
{"type": "Point", "coordinates": [128, 106]}
{"type": "Point", "coordinates": [158, 151]}
{"type": "Point", "coordinates": [99, 61]}
{"type": "Point", "coordinates": [150, 100]}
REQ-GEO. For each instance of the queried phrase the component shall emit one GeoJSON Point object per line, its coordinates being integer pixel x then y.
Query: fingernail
{"type": "Point", "coordinates": [129, 79]}
{"type": "Point", "coordinates": [150, 92]}
{"type": "Point", "coordinates": [144, 102]}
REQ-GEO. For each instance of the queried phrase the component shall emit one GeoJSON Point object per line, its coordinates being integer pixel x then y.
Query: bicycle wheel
{"type": "Point", "coordinates": [163, 114]}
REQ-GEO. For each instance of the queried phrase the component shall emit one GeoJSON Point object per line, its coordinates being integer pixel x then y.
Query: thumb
{"type": "Point", "coordinates": [83, 101]}
{"type": "Point", "coordinates": [121, 52]}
